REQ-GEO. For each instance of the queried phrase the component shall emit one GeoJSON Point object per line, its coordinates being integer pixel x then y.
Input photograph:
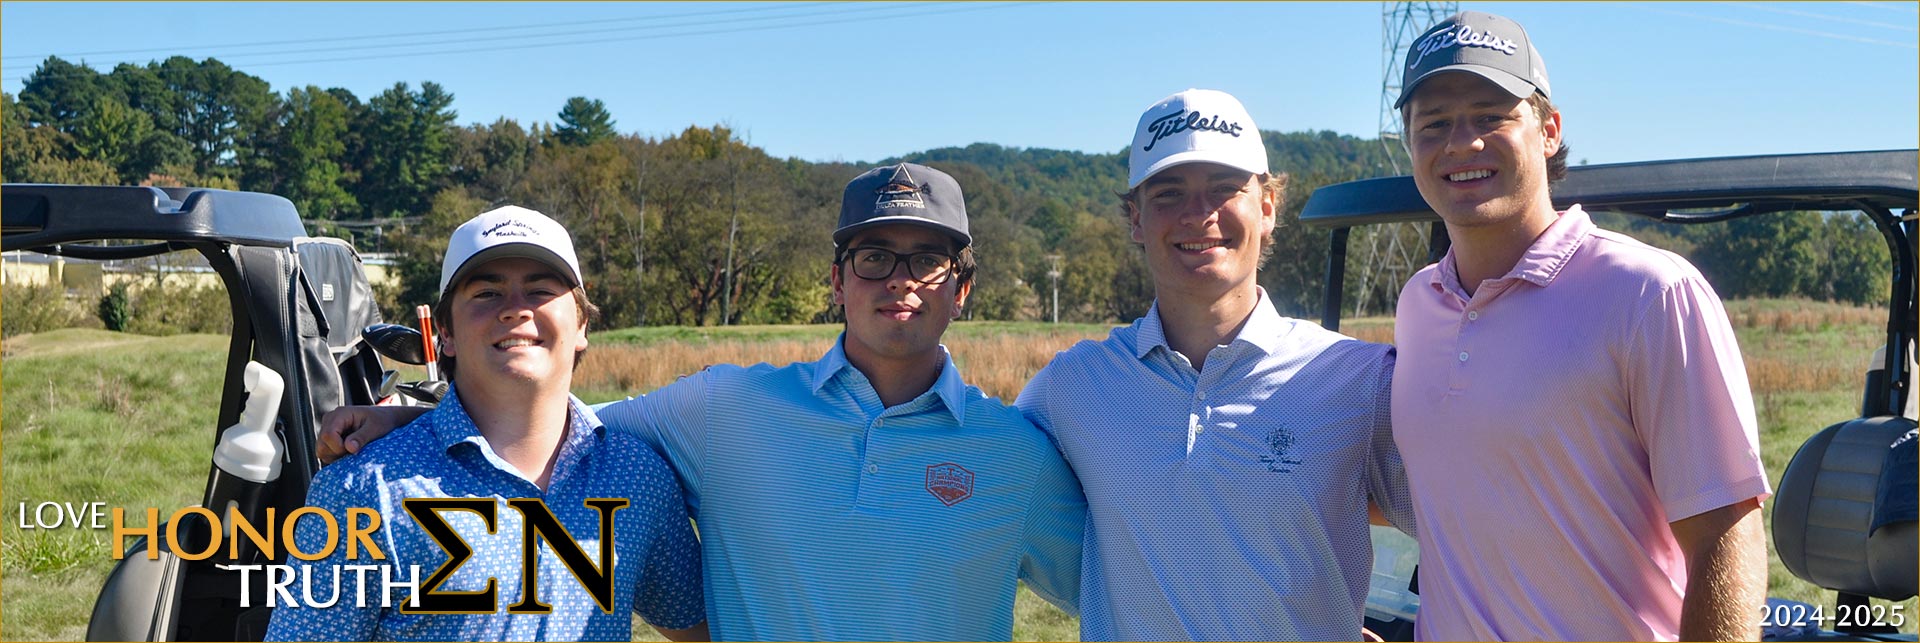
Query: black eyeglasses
{"type": "Point", "coordinates": [875, 264]}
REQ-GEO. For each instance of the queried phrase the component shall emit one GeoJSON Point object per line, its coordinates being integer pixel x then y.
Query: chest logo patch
{"type": "Point", "coordinates": [949, 482]}
{"type": "Point", "coordinates": [1280, 445]}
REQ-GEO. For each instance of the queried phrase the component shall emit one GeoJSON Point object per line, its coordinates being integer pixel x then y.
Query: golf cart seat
{"type": "Point", "coordinates": [1823, 514]}
{"type": "Point", "coordinates": [1843, 517]}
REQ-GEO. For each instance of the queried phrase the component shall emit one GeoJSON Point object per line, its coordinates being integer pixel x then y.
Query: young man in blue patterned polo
{"type": "Point", "coordinates": [872, 494]}
{"type": "Point", "coordinates": [513, 322]}
{"type": "Point", "coordinates": [1228, 453]}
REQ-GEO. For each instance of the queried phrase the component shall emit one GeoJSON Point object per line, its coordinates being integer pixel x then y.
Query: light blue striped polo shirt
{"type": "Point", "coordinates": [824, 515]}
{"type": "Point", "coordinates": [1230, 503]}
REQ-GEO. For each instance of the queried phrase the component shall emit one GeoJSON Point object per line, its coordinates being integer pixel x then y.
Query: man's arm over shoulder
{"type": "Point", "coordinates": [1055, 532]}
{"type": "Point", "coordinates": [1387, 491]}
{"type": "Point", "coordinates": [354, 484]}
{"type": "Point", "coordinates": [346, 430]}
{"type": "Point", "coordinates": [673, 421]}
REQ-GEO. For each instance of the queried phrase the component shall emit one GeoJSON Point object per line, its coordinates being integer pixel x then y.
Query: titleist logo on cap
{"type": "Point", "coordinates": [510, 228]}
{"type": "Point", "coordinates": [1464, 36]}
{"type": "Point", "coordinates": [1181, 121]}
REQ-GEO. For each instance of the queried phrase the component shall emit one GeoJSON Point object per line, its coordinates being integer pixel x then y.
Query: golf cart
{"type": "Point", "coordinates": [299, 304]}
{"type": "Point", "coordinates": [1841, 485]}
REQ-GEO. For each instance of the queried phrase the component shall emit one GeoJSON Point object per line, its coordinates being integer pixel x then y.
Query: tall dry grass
{"type": "Point", "coordinates": [1789, 346]}
{"type": "Point", "coordinates": [638, 369]}
{"type": "Point", "coordinates": [1000, 365]}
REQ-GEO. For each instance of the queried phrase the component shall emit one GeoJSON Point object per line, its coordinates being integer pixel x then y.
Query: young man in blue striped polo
{"type": "Point", "coordinates": [872, 494]}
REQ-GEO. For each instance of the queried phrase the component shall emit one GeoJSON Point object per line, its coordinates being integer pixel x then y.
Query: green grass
{"type": "Point", "coordinates": [94, 416]}
{"type": "Point", "coordinates": [128, 420]}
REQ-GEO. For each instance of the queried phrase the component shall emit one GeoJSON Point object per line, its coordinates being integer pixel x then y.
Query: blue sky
{"type": "Point", "coordinates": [860, 82]}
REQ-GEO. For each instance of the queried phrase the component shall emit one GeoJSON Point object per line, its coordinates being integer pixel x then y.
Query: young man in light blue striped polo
{"type": "Point", "coordinates": [1228, 453]}
{"type": "Point", "coordinates": [872, 494]}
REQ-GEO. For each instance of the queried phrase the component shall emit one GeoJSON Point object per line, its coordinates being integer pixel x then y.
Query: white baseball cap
{"type": "Point", "coordinates": [1195, 126]}
{"type": "Point", "coordinates": [510, 231]}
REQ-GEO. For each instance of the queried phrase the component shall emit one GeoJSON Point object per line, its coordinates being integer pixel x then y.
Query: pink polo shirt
{"type": "Point", "coordinates": [1553, 424]}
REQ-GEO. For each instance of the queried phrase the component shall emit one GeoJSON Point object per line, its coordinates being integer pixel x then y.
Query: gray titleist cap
{"type": "Point", "coordinates": [1492, 46]}
{"type": "Point", "coordinates": [906, 193]}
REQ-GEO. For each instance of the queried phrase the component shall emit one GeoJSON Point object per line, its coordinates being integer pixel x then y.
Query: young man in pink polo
{"type": "Point", "coordinates": [1570, 404]}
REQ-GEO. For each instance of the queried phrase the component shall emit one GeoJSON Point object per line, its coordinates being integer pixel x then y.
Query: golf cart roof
{"type": "Point", "coordinates": [1689, 190]}
{"type": "Point", "coordinates": [44, 215]}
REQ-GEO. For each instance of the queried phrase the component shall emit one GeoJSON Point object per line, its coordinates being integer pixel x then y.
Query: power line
{"type": "Point", "coordinates": [413, 34]}
{"type": "Point", "coordinates": [950, 9]}
{"type": "Point", "coordinates": [1774, 27]}
{"type": "Point", "coordinates": [584, 32]}
{"type": "Point", "coordinates": [1903, 7]}
{"type": "Point", "coordinates": [1821, 16]}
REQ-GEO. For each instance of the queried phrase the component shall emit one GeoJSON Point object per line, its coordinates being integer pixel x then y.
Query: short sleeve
{"type": "Point", "coordinates": [1690, 402]}
{"type": "Point", "coordinates": [671, 593]}
{"type": "Point", "coordinates": [1033, 399]}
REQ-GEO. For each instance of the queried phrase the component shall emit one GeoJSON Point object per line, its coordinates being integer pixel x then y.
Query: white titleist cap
{"type": "Point", "coordinates": [510, 231]}
{"type": "Point", "coordinates": [1195, 126]}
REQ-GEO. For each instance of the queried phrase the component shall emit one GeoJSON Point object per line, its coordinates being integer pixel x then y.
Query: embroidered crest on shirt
{"type": "Point", "coordinates": [949, 482]}
{"type": "Point", "coordinates": [1280, 443]}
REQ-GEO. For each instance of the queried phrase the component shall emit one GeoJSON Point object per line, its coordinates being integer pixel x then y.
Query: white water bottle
{"type": "Point", "coordinates": [248, 456]}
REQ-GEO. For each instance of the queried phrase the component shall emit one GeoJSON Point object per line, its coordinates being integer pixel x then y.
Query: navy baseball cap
{"type": "Point", "coordinates": [905, 193]}
{"type": "Point", "coordinates": [1494, 47]}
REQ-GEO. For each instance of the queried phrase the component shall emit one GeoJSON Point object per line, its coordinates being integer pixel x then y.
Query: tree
{"type": "Point", "coordinates": [418, 249]}
{"type": "Point", "coordinates": [222, 114]}
{"type": "Point", "coordinates": [309, 148]}
{"type": "Point", "coordinates": [111, 133]}
{"type": "Point", "coordinates": [1769, 255]}
{"type": "Point", "coordinates": [43, 154]}
{"type": "Point", "coordinates": [491, 160]}
{"type": "Point", "coordinates": [1857, 267]}
{"type": "Point", "coordinates": [407, 136]}
{"type": "Point", "coordinates": [58, 93]}
{"type": "Point", "coordinates": [584, 122]}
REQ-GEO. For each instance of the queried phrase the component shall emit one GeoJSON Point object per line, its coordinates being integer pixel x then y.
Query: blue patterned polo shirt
{"type": "Point", "coordinates": [442, 455]}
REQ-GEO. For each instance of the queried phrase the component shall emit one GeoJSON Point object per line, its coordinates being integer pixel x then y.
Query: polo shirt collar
{"type": "Point", "coordinates": [452, 425]}
{"type": "Point", "coordinates": [1263, 329]}
{"type": "Point", "coordinates": [948, 388]}
{"type": "Point", "coordinates": [1542, 261]}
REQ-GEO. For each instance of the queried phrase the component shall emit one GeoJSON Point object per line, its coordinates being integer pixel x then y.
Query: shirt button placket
{"type": "Point", "coordinates": [872, 466]}
{"type": "Point", "coordinates": [1197, 419]}
{"type": "Point", "coordinates": [1456, 376]}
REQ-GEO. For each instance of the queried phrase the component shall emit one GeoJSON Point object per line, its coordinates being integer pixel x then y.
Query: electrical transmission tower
{"type": "Point", "coordinates": [1395, 251]}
